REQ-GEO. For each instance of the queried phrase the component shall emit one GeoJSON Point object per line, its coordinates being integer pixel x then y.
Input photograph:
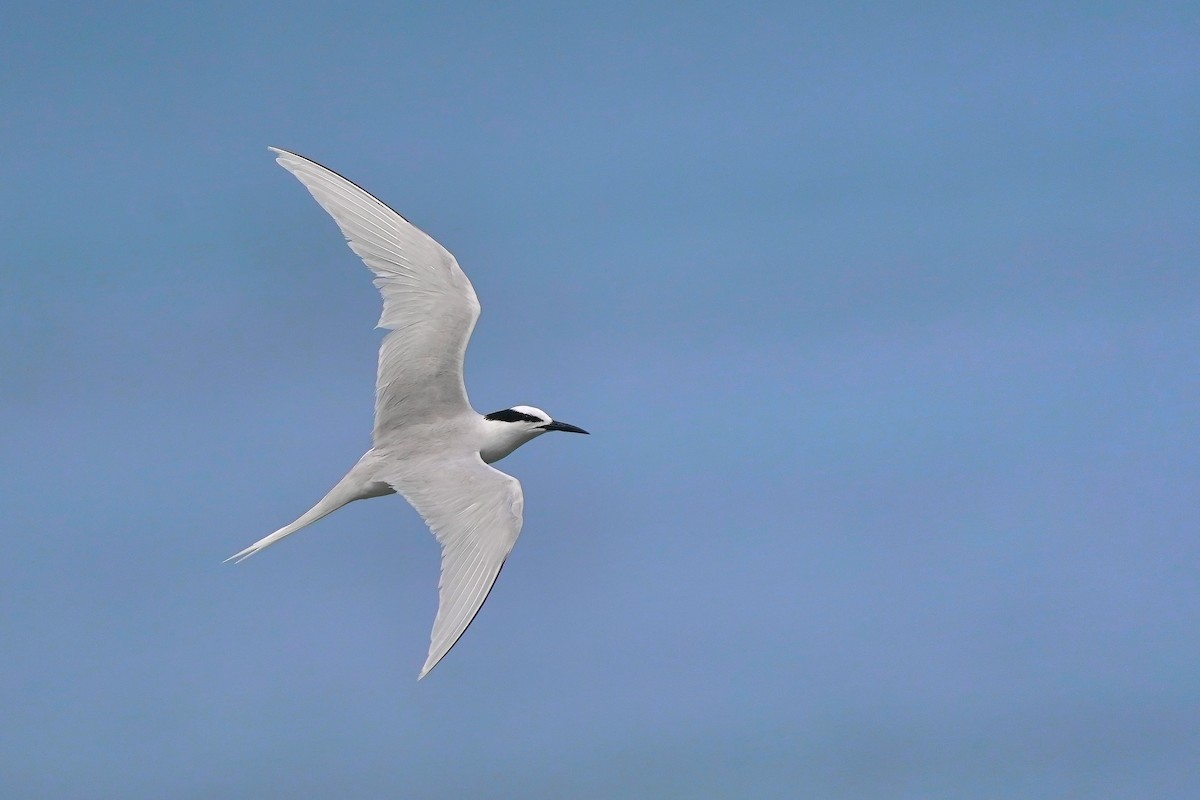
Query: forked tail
{"type": "Point", "coordinates": [357, 485]}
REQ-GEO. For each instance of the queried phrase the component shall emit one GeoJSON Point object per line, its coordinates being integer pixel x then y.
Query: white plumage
{"type": "Point", "coordinates": [430, 445]}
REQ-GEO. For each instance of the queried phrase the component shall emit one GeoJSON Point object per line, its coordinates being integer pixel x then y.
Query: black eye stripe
{"type": "Point", "coordinates": [508, 415]}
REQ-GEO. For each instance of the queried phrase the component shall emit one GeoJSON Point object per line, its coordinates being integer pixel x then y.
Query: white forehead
{"type": "Point", "coordinates": [533, 412]}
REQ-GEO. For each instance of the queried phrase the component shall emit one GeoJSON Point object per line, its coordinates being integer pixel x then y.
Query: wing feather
{"type": "Point", "coordinates": [428, 302]}
{"type": "Point", "coordinates": [475, 513]}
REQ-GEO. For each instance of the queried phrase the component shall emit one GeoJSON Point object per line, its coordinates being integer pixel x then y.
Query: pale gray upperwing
{"type": "Point", "coordinates": [428, 303]}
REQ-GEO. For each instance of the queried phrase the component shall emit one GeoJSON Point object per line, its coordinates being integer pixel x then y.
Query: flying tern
{"type": "Point", "coordinates": [429, 444]}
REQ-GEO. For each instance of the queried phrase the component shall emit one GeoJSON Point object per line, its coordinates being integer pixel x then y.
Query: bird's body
{"type": "Point", "coordinates": [430, 445]}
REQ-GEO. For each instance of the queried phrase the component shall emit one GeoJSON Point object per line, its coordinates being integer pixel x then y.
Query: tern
{"type": "Point", "coordinates": [429, 444]}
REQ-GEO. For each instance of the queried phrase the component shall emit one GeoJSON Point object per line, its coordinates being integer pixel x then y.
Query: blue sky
{"type": "Point", "coordinates": [883, 317]}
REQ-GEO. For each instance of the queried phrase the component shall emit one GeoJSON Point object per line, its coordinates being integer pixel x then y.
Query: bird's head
{"type": "Point", "coordinates": [510, 428]}
{"type": "Point", "coordinates": [532, 420]}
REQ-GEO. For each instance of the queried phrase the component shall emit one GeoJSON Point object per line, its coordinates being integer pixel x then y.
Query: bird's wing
{"type": "Point", "coordinates": [475, 512]}
{"type": "Point", "coordinates": [428, 303]}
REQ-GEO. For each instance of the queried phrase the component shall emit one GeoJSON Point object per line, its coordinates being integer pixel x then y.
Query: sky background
{"type": "Point", "coordinates": [883, 317]}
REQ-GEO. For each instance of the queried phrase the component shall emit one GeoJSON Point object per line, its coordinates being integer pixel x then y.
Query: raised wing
{"type": "Point", "coordinates": [475, 512]}
{"type": "Point", "coordinates": [428, 303]}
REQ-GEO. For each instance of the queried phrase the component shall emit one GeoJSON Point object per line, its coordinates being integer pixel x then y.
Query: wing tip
{"type": "Point", "coordinates": [283, 156]}
{"type": "Point", "coordinates": [433, 659]}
